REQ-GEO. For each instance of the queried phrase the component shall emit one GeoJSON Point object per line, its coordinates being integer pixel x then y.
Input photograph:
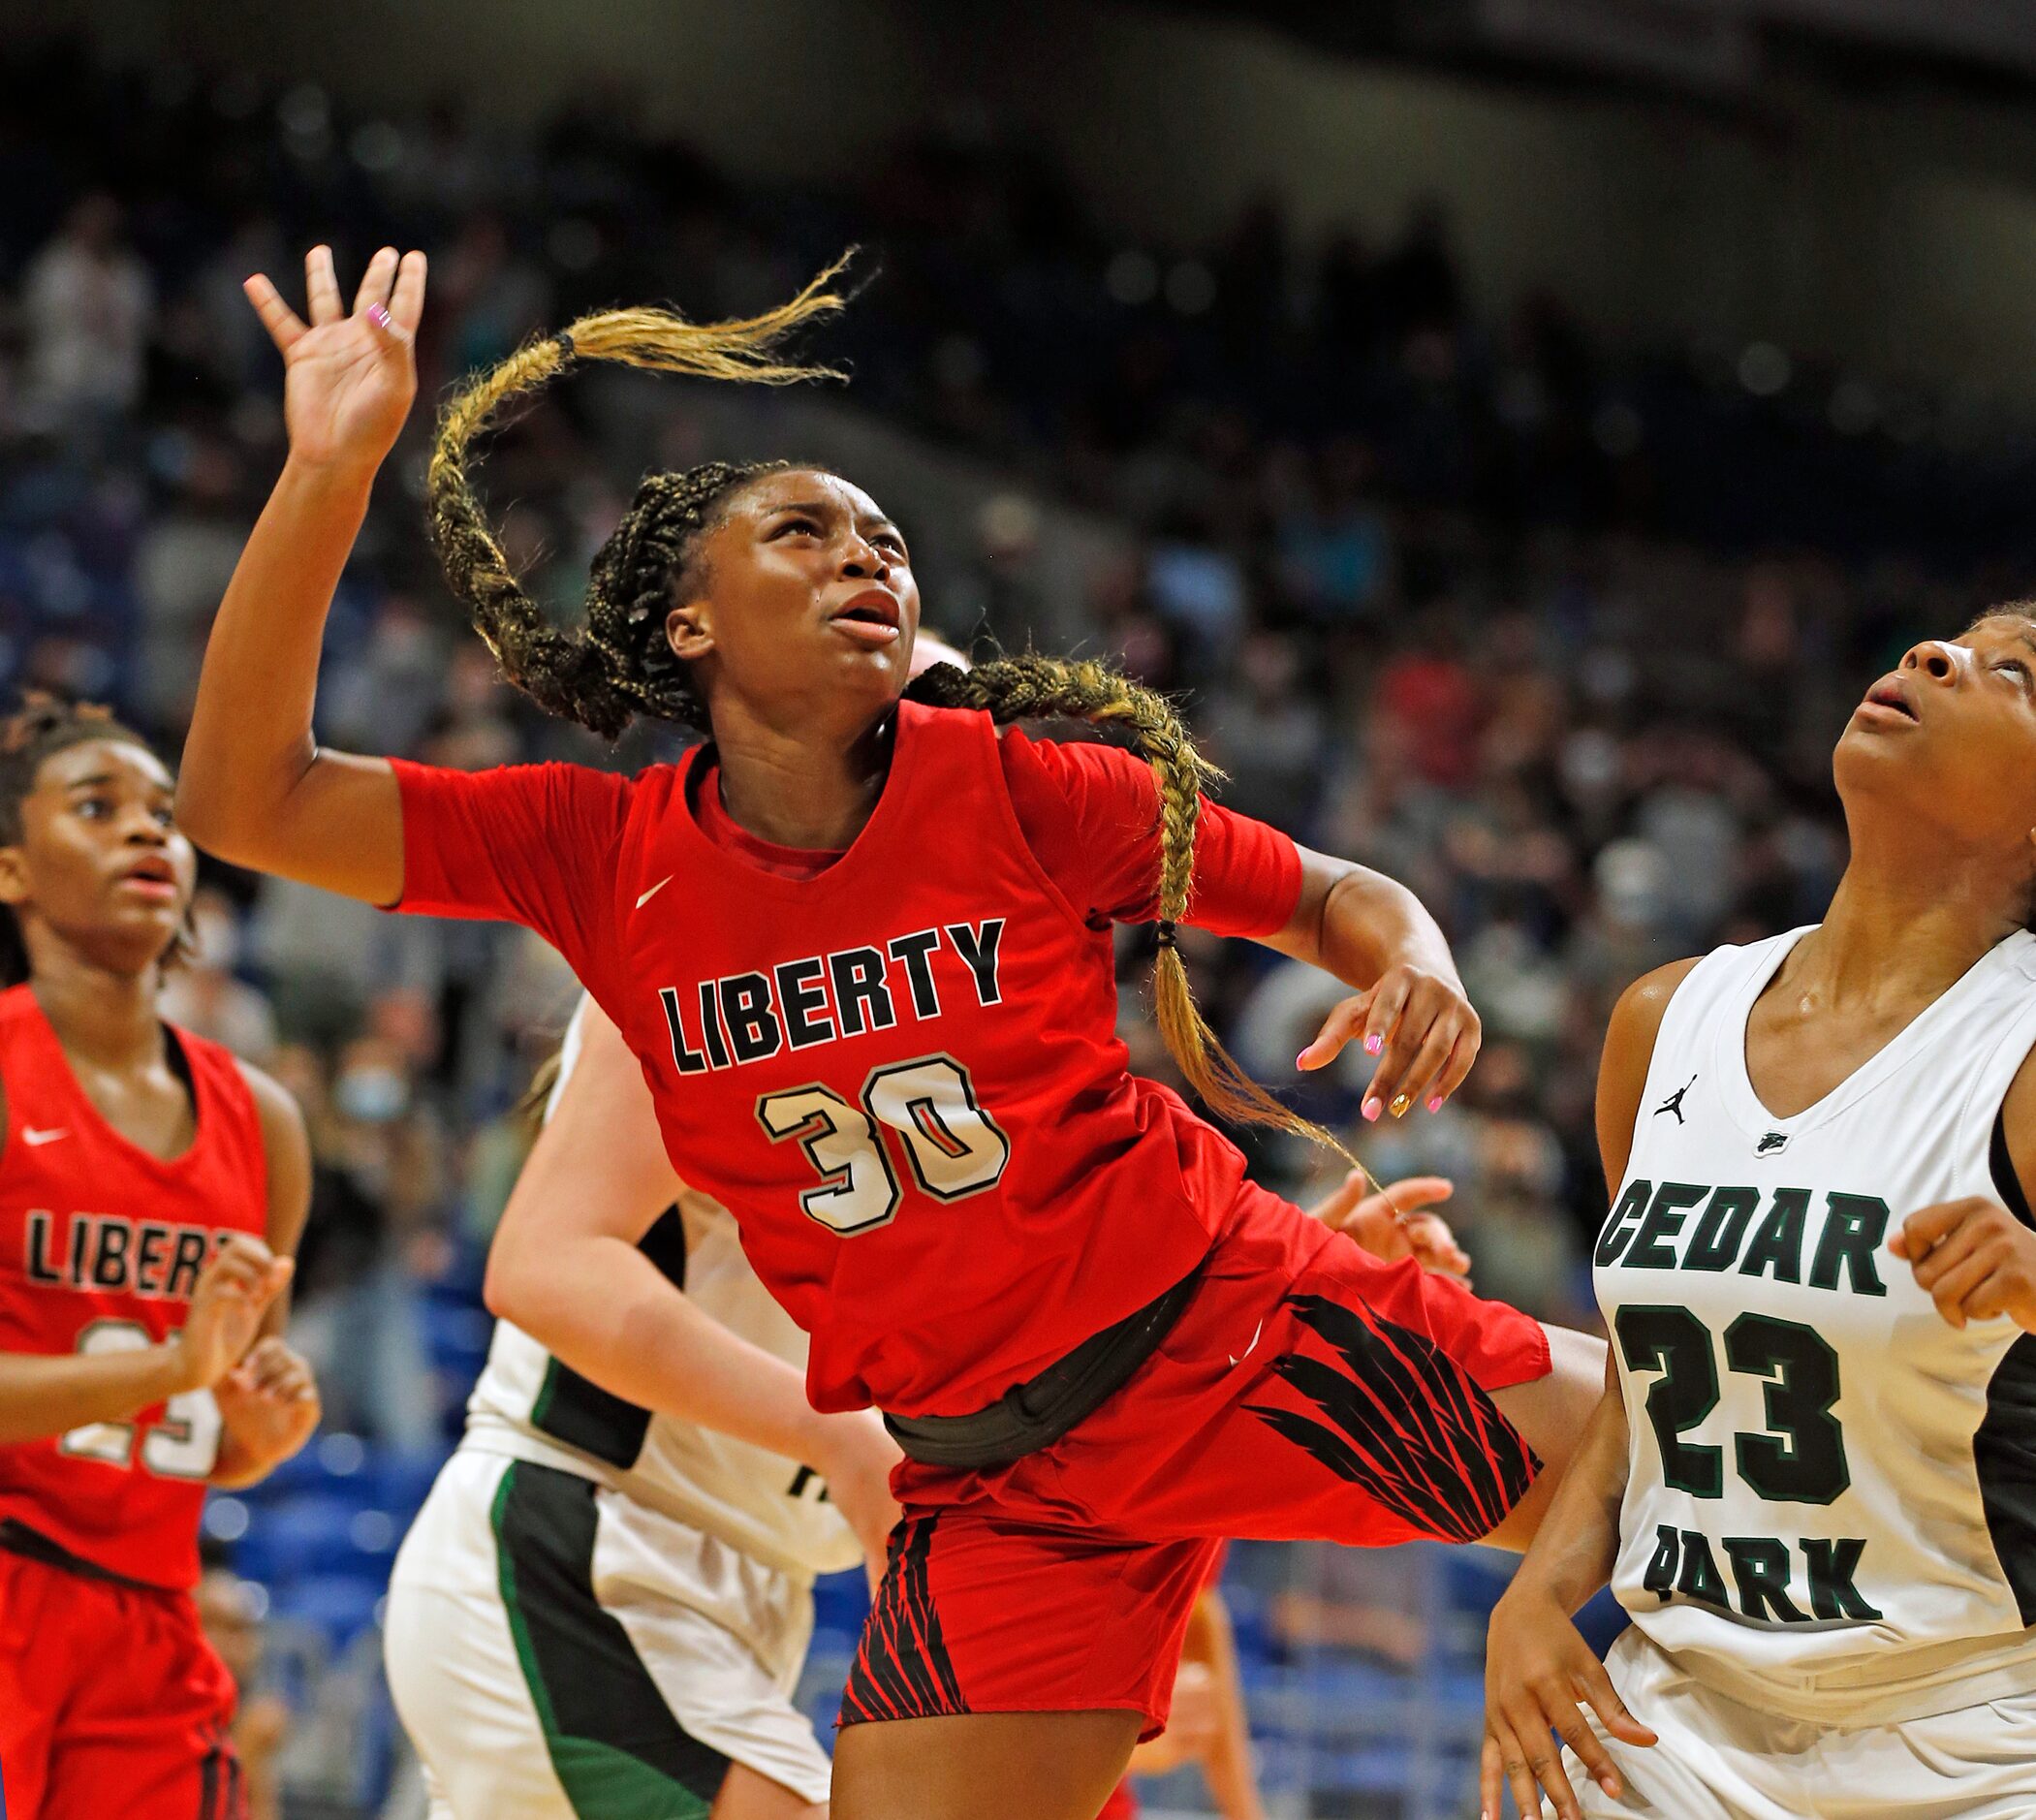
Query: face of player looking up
{"type": "Point", "coordinates": [1945, 745]}
{"type": "Point", "coordinates": [799, 601]}
{"type": "Point", "coordinates": [100, 863]}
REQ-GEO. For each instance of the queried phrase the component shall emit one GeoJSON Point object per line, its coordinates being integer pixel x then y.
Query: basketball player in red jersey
{"type": "Point", "coordinates": [151, 1190]}
{"type": "Point", "coordinates": [860, 946]}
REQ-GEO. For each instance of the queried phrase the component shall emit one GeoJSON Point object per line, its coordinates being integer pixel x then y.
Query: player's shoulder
{"type": "Point", "coordinates": [281, 1118]}
{"type": "Point", "coordinates": [1637, 1016]}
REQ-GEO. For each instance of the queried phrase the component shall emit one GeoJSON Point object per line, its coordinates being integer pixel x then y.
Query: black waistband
{"type": "Point", "coordinates": [32, 1545]}
{"type": "Point", "coordinates": [1038, 1412]}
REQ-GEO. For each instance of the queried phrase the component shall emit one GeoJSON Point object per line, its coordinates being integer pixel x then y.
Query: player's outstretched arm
{"type": "Point", "coordinates": [254, 786]}
{"type": "Point", "coordinates": [42, 1395]}
{"type": "Point", "coordinates": [565, 1268]}
{"type": "Point", "coordinates": [1539, 1671]}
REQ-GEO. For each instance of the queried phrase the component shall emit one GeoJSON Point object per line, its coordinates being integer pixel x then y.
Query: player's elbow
{"type": "Point", "coordinates": [504, 1288]}
{"type": "Point", "coordinates": [206, 814]}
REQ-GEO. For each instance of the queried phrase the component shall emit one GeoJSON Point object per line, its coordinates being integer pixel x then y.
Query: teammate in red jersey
{"type": "Point", "coordinates": [151, 1190]}
{"type": "Point", "coordinates": [861, 948]}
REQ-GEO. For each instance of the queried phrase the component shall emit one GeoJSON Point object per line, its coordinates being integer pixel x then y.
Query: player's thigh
{"type": "Point", "coordinates": [36, 1627]}
{"type": "Point", "coordinates": [141, 1778]}
{"type": "Point", "coordinates": [1551, 1413]}
{"type": "Point", "coordinates": [982, 1766]}
{"type": "Point", "coordinates": [746, 1795]}
{"type": "Point", "coordinates": [145, 1732]}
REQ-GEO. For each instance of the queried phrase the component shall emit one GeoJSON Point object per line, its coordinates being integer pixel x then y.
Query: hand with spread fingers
{"type": "Point", "coordinates": [1974, 1259]}
{"type": "Point", "coordinates": [1539, 1675]}
{"type": "Point", "coordinates": [1389, 1223]}
{"type": "Point", "coordinates": [1417, 1021]}
{"type": "Point", "coordinates": [347, 379]}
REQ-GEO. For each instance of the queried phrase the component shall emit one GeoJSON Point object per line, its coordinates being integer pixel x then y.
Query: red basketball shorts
{"type": "Point", "coordinates": [1308, 1390]}
{"type": "Point", "coordinates": [111, 1703]}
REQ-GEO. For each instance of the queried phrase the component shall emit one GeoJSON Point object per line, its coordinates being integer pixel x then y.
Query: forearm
{"type": "Point", "coordinates": [251, 772]}
{"type": "Point", "coordinates": [1577, 1546]}
{"type": "Point", "coordinates": [607, 1312]}
{"type": "Point", "coordinates": [1355, 922]}
{"type": "Point", "coordinates": [43, 1395]}
{"type": "Point", "coordinates": [1370, 922]}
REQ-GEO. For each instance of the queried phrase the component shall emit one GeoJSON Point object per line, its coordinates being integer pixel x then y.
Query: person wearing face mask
{"type": "Point", "coordinates": [376, 1202]}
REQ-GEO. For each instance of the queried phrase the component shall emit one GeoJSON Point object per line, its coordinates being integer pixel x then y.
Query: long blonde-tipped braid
{"type": "Point", "coordinates": [1032, 687]}
{"type": "Point", "coordinates": [603, 675]}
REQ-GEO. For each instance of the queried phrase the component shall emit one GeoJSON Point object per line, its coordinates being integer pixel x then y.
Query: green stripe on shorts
{"type": "Point", "coordinates": [614, 1745]}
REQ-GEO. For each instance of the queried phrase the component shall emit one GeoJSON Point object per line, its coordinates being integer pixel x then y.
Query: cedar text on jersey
{"type": "Point", "coordinates": [101, 1252]}
{"type": "Point", "coordinates": [1646, 1232]}
{"type": "Point", "coordinates": [802, 1004]}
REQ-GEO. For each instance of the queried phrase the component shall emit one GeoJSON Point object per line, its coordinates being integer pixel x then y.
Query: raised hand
{"type": "Point", "coordinates": [348, 380]}
{"type": "Point", "coordinates": [270, 1404]}
{"type": "Point", "coordinates": [1390, 1224]}
{"type": "Point", "coordinates": [233, 1293]}
{"type": "Point", "coordinates": [1419, 1025]}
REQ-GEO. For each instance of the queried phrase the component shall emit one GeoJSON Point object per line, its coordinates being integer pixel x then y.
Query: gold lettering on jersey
{"type": "Point", "coordinates": [1785, 1236]}
{"type": "Point", "coordinates": [829, 997]}
{"type": "Point", "coordinates": [107, 1253]}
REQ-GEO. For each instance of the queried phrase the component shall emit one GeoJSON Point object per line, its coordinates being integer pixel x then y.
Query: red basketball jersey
{"type": "Point", "coordinates": [100, 1246]}
{"type": "Point", "coordinates": [902, 1075]}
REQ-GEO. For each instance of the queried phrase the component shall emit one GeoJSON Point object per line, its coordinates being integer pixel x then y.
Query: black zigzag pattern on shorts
{"type": "Point", "coordinates": [1408, 1424]}
{"type": "Point", "coordinates": [902, 1670]}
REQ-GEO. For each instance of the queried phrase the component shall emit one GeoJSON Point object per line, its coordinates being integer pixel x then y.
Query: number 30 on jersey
{"type": "Point", "coordinates": [951, 1144]}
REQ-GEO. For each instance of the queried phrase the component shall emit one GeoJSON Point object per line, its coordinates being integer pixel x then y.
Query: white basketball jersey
{"type": "Point", "coordinates": [529, 1405]}
{"type": "Point", "coordinates": [1831, 1504]}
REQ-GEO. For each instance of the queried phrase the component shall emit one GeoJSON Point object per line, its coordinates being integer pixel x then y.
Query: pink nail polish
{"type": "Point", "coordinates": [1373, 1043]}
{"type": "Point", "coordinates": [378, 315]}
{"type": "Point", "coordinates": [1371, 1109]}
{"type": "Point", "coordinates": [1302, 1060]}
{"type": "Point", "coordinates": [1435, 1104]}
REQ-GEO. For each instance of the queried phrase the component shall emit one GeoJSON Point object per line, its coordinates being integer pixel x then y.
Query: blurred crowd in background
{"type": "Point", "coordinates": [1471, 600]}
{"type": "Point", "coordinates": [1558, 635]}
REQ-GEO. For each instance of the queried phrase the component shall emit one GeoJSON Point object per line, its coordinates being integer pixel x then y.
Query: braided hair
{"type": "Point", "coordinates": [622, 663]}
{"type": "Point", "coordinates": [42, 726]}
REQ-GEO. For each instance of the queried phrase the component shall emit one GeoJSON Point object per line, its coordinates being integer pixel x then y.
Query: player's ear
{"type": "Point", "coordinates": [689, 630]}
{"type": "Point", "coordinates": [14, 876]}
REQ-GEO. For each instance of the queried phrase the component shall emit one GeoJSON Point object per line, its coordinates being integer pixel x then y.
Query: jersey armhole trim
{"type": "Point", "coordinates": [2007, 1180]}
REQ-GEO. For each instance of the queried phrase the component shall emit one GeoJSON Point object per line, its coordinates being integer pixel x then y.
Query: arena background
{"type": "Point", "coordinates": [1518, 426]}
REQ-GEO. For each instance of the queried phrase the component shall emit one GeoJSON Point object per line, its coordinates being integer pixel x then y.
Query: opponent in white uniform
{"type": "Point", "coordinates": [1818, 1466]}
{"type": "Point", "coordinates": [601, 1607]}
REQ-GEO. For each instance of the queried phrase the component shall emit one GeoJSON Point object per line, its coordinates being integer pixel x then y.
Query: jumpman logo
{"type": "Point", "coordinates": [1674, 1103]}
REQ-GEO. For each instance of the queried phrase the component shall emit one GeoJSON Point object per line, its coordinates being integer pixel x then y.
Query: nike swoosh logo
{"type": "Point", "coordinates": [31, 1135]}
{"type": "Point", "coordinates": [1237, 1357]}
{"type": "Point", "coordinates": [653, 890]}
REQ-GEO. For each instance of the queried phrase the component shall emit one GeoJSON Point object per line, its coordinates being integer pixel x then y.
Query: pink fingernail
{"type": "Point", "coordinates": [1435, 1104]}
{"type": "Point", "coordinates": [1371, 1109]}
{"type": "Point", "coordinates": [378, 315]}
{"type": "Point", "coordinates": [1373, 1043]}
{"type": "Point", "coordinates": [1302, 1060]}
